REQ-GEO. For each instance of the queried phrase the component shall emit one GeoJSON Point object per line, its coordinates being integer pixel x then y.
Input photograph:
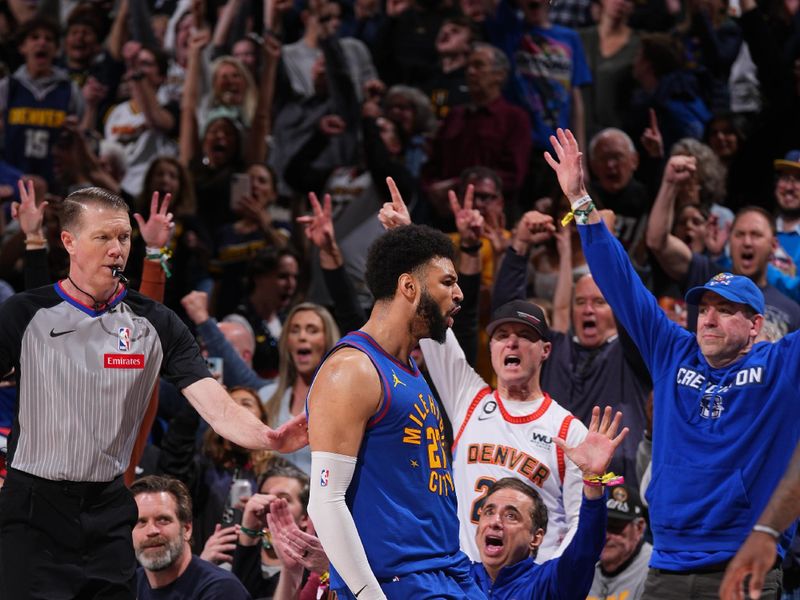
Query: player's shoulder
{"type": "Point", "coordinates": [350, 360]}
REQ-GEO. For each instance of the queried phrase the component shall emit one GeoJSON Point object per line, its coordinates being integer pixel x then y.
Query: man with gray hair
{"type": "Point", "coordinates": [613, 160]}
{"type": "Point", "coordinates": [489, 132]}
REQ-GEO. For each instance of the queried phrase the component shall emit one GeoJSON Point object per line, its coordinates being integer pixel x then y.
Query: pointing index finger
{"type": "Point", "coordinates": [397, 199]}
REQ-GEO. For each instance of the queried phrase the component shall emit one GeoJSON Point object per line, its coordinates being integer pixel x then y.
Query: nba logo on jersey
{"type": "Point", "coordinates": [323, 477]}
{"type": "Point", "coordinates": [124, 339]}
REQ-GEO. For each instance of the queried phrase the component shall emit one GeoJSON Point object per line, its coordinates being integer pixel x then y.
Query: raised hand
{"type": "Point", "coordinates": [196, 306]}
{"type": "Point", "coordinates": [469, 221]}
{"type": "Point", "coordinates": [220, 545]}
{"type": "Point", "coordinates": [290, 436]}
{"type": "Point", "coordinates": [594, 453]}
{"type": "Point", "coordinates": [157, 230]}
{"type": "Point", "coordinates": [29, 215]}
{"type": "Point", "coordinates": [568, 167]}
{"type": "Point", "coordinates": [715, 236]}
{"type": "Point", "coordinates": [679, 169]}
{"type": "Point", "coordinates": [293, 545]}
{"type": "Point", "coordinates": [318, 226]}
{"type": "Point", "coordinates": [535, 228]}
{"type": "Point", "coordinates": [651, 138]}
{"type": "Point", "coordinates": [395, 213]}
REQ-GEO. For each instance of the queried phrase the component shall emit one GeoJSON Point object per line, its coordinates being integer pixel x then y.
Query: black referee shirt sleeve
{"type": "Point", "coordinates": [182, 364]}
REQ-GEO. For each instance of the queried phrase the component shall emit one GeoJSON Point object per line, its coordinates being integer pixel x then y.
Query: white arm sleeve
{"type": "Point", "coordinates": [456, 381]}
{"type": "Point", "coordinates": [330, 477]}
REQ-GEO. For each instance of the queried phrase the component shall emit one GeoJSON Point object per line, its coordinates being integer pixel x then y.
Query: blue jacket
{"type": "Point", "coordinates": [568, 577]}
{"type": "Point", "coordinates": [722, 437]}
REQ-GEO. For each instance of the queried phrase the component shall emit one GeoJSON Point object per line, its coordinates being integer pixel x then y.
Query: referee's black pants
{"type": "Point", "coordinates": [63, 540]}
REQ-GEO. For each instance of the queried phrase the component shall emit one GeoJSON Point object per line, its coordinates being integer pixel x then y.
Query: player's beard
{"type": "Point", "coordinates": [164, 557]}
{"type": "Point", "coordinates": [430, 313]}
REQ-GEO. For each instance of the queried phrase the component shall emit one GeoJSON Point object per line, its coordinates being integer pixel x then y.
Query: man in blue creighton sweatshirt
{"type": "Point", "coordinates": [726, 416]}
{"type": "Point", "coordinates": [513, 521]}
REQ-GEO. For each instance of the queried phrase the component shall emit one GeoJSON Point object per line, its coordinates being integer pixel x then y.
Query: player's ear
{"type": "Point", "coordinates": [408, 286]}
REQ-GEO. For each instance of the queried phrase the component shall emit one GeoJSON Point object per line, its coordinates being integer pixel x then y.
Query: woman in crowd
{"type": "Point", "coordinates": [308, 333]}
{"type": "Point", "coordinates": [610, 48]}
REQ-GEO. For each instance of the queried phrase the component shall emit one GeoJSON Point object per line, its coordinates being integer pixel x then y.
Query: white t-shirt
{"type": "Point", "coordinates": [142, 144]}
{"type": "Point", "coordinates": [496, 437]}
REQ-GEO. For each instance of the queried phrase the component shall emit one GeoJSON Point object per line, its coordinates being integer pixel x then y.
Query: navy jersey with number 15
{"type": "Point", "coordinates": [402, 496]}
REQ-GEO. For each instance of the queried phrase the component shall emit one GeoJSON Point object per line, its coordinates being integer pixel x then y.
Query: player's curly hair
{"type": "Point", "coordinates": [403, 250]}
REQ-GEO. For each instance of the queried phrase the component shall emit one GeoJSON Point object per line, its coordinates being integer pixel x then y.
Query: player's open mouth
{"type": "Point", "coordinates": [493, 545]}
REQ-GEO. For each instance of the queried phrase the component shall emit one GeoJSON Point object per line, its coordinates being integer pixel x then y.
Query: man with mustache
{"type": "Point", "coordinates": [382, 493]}
{"type": "Point", "coordinates": [161, 542]}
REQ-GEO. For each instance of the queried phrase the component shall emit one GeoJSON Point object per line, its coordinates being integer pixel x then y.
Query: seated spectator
{"type": "Point", "coordinates": [622, 568]}
{"type": "Point", "coordinates": [161, 542]}
{"type": "Point", "coordinates": [447, 85]}
{"type": "Point", "coordinates": [280, 507]}
{"type": "Point", "coordinates": [147, 124]}
{"type": "Point", "coordinates": [35, 100]}
{"type": "Point", "coordinates": [514, 520]}
{"type": "Point", "coordinates": [752, 242]}
{"type": "Point", "coordinates": [488, 132]}
{"type": "Point", "coordinates": [210, 473]}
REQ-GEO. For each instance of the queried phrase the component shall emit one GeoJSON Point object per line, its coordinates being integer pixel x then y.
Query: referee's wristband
{"type": "Point", "coordinates": [768, 530]}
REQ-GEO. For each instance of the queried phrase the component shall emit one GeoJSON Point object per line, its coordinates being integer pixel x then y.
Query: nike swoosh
{"type": "Point", "coordinates": [359, 591]}
{"type": "Point", "coordinates": [54, 333]}
{"type": "Point", "coordinates": [484, 417]}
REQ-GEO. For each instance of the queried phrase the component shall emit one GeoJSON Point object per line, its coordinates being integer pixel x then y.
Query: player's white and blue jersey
{"type": "Point", "coordinates": [402, 496]}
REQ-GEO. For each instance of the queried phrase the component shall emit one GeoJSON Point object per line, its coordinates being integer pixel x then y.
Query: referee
{"type": "Point", "coordinates": [86, 353]}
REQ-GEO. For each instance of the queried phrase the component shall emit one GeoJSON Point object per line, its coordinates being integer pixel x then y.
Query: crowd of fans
{"type": "Point", "coordinates": [274, 126]}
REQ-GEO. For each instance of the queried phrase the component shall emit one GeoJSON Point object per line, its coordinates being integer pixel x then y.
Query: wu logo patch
{"type": "Point", "coordinates": [124, 339]}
